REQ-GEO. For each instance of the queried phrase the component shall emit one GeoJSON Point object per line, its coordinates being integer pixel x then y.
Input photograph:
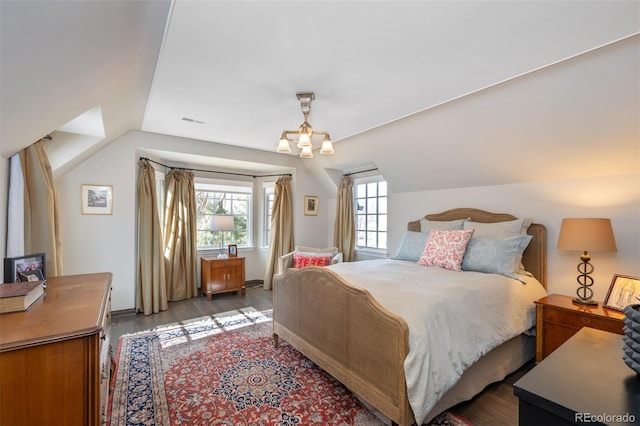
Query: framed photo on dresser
{"type": "Point", "coordinates": [624, 290]}
{"type": "Point", "coordinates": [24, 268]}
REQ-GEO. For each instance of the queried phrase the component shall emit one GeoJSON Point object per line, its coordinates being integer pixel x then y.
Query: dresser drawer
{"type": "Point", "coordinates": [577, 320]}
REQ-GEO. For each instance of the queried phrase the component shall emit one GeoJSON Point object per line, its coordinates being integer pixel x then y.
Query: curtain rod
{"type": "Point", "coordinates": [361, 171]}
{"type": "Point", "coordinates": [212, 171]}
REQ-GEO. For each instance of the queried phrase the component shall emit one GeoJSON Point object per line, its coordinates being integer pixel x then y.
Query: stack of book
{"type": "Point", "coordinates": [20, 296]}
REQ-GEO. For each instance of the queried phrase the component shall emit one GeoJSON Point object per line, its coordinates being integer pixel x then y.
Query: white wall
{"type": "Point", "coordinates": [615, 197]}
{"type": "Point", "coordinates": [108, 243]}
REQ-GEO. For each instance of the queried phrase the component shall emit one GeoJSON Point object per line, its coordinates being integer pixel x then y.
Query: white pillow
{"type": "Point", "coordinates": [510, 228]}
{"type": "Point", "coordinates": [427, 225]}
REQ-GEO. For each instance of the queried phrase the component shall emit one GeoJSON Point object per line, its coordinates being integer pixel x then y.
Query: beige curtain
{"type": "Point", "coordinates": [281, 240]}
{"type": "Point", "coordinates": [344, 230]}
{"type": "Point", "coordinates": [180, 235]}
{"type": "Point", "coordinates": [151, 293]}
{"type": "Point", "coordinates": [41, 212]}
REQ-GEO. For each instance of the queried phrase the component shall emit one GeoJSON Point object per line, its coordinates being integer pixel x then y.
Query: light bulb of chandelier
{"type": "Point", "coordinates": [306, 152]}
{"type": "Point", "coordinates": [305, 132]}
{"type": "Point", "coordinates": [327, 145]}
{"type": "Point", "coordinates": [304, 141]}
{"type": "Point", "coordinates": [283, 145]}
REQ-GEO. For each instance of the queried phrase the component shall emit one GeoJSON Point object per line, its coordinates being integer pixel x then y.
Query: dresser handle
{"type": "Point", "coordinates": [584, 320]}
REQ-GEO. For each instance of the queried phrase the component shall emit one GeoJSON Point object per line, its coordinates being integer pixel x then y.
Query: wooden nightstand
{"type": "Point", "coordinates": [558, 318]}
{"type": "Point", "coordinates": [222, 275]}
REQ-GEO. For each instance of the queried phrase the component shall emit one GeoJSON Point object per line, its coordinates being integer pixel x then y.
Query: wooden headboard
{"type": "Point", "coordinates": [534, 257]}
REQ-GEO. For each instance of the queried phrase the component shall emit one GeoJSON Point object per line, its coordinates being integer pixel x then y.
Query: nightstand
{"type": "Point", "coordinates": [222, 275]}
{"type": "Point", "coordinates": [558, 318]}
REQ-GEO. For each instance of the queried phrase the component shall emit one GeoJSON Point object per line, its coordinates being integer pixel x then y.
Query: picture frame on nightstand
{"type": "Point", "coordinates": [233, 250]}
{"type": "Point", "coordinates": [624, 290]}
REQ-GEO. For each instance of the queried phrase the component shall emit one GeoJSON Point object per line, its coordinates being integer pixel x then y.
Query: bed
{"type": "Point", "coordinates": [364, 344]}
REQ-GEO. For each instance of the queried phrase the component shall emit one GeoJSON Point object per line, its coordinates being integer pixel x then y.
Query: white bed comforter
{"type": "Point", "coordinates": [454, 318]}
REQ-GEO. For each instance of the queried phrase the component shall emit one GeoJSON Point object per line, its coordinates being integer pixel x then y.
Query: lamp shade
{"type": "Point", "coordinates": [222, 222]}
{"type": "Point", "coordinates": [587, 234]}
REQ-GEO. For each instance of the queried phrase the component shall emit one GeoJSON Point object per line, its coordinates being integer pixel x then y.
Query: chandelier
{"type": "Point", "coordinates": [305, 132]}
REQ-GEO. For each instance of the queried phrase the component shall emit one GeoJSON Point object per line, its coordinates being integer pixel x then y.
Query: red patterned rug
{"type": "Point", "coordinates": [224, 370]}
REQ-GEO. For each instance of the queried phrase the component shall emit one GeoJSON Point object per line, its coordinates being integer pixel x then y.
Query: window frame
{"type": "Point", "coordinates": [366, 181]}
{"type": "Point", "coordinates": [228, 187]}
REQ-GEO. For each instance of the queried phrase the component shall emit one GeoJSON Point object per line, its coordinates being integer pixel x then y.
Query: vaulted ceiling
{"type": "Point", "coordinates": [232, 69]}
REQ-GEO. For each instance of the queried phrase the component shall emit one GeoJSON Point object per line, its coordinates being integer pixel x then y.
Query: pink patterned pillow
{"type": "Point", "coordinates": [303, 260]}
{"type": "Point", "coordinates": [445, 249]}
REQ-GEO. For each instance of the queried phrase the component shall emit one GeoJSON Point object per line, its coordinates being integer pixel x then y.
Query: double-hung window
{"type": "Point", "coordinates": [371, 214]}
{"type": "Point", "coordinates": [213, 198]}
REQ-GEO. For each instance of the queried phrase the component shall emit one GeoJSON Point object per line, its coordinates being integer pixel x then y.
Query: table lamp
{"type": "Point", "coordinates": [586, 234]}
{"type": "Point", "coordinates": [222, 223]}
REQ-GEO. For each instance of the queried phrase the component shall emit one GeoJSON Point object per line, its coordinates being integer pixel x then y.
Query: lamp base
{"type": "Point", "coordinates": [222, 256]}
{"type": "Point", "coordinates": [584, 301]}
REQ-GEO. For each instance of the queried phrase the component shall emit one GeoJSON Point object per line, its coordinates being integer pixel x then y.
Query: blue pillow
{"type": "Point", "coordinates": [495, 255]}
{"type": "Point", "coordinates": [411, 246]}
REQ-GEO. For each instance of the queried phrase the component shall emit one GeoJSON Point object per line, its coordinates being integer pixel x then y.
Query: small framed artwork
{"type": "Point", "coordinates": [310, 205]}
{"type": "Point", "coordinates": [233, 250]}
{"type": "Point", "coordinates": [624, 290]}
{"type": "Point", "coordinates": [24, 268]}
{"type": "Point", "coordinates": [97, 199]}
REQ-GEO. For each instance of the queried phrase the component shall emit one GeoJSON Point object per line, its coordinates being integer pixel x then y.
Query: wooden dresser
{"type": "Point", "coordinates": [55, 357]}
{"type": "Point", "coordinates": [558, 318]}
{"type": "Point", "coordinates": [221, 275]}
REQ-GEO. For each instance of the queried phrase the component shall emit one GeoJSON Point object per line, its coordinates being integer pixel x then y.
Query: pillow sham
{"type": "Point", "coordinates": [427, 225]}
{"type": "Point", "coordinates": [302, 260]}
{"type": "Point", "coordinates": [509, 228]}
{"type": "Point", "coordinates": [445, 249]}
{"type": "Point", "coordinates": [411, 246]}
{"type": "Point", "coordinates": [495, 255]}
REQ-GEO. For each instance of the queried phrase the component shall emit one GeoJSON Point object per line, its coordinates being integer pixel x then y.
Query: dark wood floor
{"type": "Point", "coordinates": [495, 406]}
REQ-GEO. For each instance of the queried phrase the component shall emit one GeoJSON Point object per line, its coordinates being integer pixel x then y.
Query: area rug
{"type": "Point", "coordinates": [224, 370]}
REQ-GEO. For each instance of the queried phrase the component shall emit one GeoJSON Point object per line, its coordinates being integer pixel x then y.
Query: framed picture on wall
{"type": "Point", "coordinates": [24, 268]}
{"type": "Point", "coordinates": [310, 205]}
{"type": "Point", "coordinates": [624, 290]}
{"type": "Point", "coordinates": [97, 199]}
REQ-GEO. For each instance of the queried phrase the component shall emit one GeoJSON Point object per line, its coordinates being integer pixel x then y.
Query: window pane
{"type": "Point", "coordinates": [361, 190]}
{"type": "Point", "coordinates": [372, 223]}
{"type": "Point", "coordinates": [362, 222]}
{"type": "Point", "coordinates": [382, 222]}
{"type": "Point", "coordinates": [360, 204]}
{"type": "Point", "coordinates": [371, 239]}
{"type": "Point", "coordinates": [372, 207]}
{"type": "Point", "coordinates": [382, 189]}
{"type": "Point", "coordinates": [372, 189]}
{"type": "Point", "coordinates": [382, 205]}
{"type": "Point", "coordinates": [361, 238]}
